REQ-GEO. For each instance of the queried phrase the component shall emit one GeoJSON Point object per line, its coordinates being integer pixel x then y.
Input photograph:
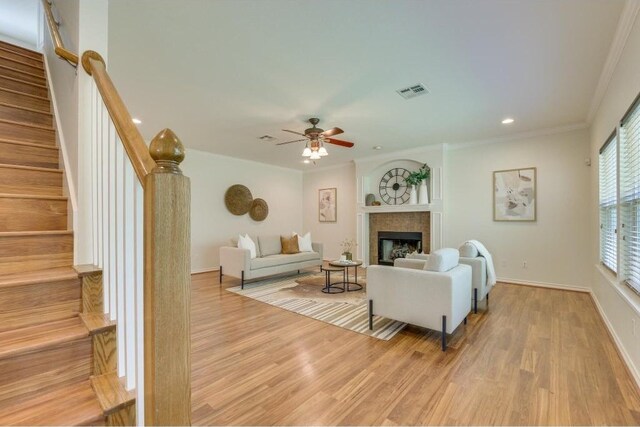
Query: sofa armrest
{"type": "Point", "coordinates": [234, 261]}
{"type": "Point", "coordinates": [318, 247]}
{"type": "Point", "coordinates": [414, 263]}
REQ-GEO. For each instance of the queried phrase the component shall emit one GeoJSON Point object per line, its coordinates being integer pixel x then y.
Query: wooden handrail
{"type": "Point", "coordinates": [131, 138]}
{"type": "Point", "coordinates": [58, 44]}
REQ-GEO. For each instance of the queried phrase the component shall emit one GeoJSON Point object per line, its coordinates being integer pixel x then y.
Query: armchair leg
{"type": "Point", "coordinates": [242, 280]}
{"type": "Point", "coordinates": [487, 300]}
{"type": "Point", "coordinates": [220, 275]}
{"type": "Point", "coordinates": [475, 300]}
{"type": "Point", "coordinates": [444, 333]}
{"type": "Point", "coordinates": [371, 315]}
{"type": "Point", "coordinates": [465, 320]}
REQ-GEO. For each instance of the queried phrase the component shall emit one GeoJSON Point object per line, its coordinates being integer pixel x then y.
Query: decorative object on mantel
{"type": "Point", "coordinates": [328, 205]}
{"type": "Point", "coordinates": [415, 178]}
{"type": "Point", "coordinates": [393, 186]}
{"type": "Point", "coordinates": [514, 195]}
{"type": "Point", "coordinates": [259, 210]}
{"type": "Point", "coordinates": [348, 245]}
{"type": "Point", "coordinates": [376, 203]}
{"type": "Point", "coordinates": [238, 199]}
{"type": "Point", "coordinates": [369, 199]}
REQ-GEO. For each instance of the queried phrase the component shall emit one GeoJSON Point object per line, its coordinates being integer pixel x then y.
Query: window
{"type": "Point", "coordinates": [608, 204]}
{"type": "Point", "coordinates": [630, 197]}
{"type": "Point", "coordinates": [619, 190]}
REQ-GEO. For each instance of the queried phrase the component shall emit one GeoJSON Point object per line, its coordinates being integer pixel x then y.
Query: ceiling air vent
{"type": "Point", "coordinates": [412, 91]}
{"type": "Point", "coordinates": [266, 138]}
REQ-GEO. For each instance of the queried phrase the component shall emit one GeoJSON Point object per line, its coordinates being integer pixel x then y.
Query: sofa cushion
{"type": "Point", "coordinates": [289, 244]}
{"type": "Point", "coordinates": [442, 260]}
{"type": "Point", "coordinates": [468, 250]}
{"type": "Point", "coordinates": [269, 245]}
{"type": "Point", "coordinates": [245, 242]}
{"type": "Point", "coordinates": [304, 242]}
{"type": "Point", "coordinates": [281, 259]}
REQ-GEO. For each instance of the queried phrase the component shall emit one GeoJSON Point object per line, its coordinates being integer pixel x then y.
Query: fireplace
{"type": "Point", "coordinates": [397, 244]}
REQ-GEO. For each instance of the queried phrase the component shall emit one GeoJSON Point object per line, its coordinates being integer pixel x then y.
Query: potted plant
{"type": "Point", "coordinates": [348, 245]}
{"type": "Point", "coordinates": [416, 178]}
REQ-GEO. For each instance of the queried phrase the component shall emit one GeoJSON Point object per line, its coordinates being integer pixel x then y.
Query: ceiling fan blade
{"type": "Point", "coordinates": [293, 131]}
{"type": "Point", "coordinates": [339, 142]}
{"type": "Point", "coordinates": [289, 142]}
{"type": "Point", "coordinates": [332, 131]}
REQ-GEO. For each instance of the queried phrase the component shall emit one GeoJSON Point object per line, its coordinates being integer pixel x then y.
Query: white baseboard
{"type": "Point", "coordinates": [625, 356]}
{"type": "Point", "coordinates": [205, 270]}
{"type": "Point", "coordinates": [545, 285]}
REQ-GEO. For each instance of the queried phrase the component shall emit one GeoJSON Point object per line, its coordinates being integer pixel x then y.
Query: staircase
{"type": "Point", "coordinates": [46, 349]}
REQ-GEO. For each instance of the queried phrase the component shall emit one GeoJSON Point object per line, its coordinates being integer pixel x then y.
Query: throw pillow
{"type": "Point", "coordinates": [304, 242]}
{"type": "Point", "coordinates": [442, 260]}
{"type": "Point", "coordinates": [468, 250]}
{"type": "Point", "coordinates": [245, 242]}
{"type": "Point", "coordinates": [270, 245]}
{"type": "Point", "coordinates": [289, 245]}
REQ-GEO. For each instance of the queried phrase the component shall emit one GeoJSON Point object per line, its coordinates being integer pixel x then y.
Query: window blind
{"type": "Point", "coordinates": [630, 197]}
{"type": "Point", "coordinates": [608, 204]}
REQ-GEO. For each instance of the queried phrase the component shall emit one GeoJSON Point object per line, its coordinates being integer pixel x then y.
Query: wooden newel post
{"type": "Point", "coordinates": [167, 286]}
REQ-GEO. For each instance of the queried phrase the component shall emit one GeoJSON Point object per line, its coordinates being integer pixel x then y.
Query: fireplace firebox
{"type": "Point", "coordinates": [397, 244]}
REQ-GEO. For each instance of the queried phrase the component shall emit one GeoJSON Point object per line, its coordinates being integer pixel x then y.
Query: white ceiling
{"type": "Point", "coordinates": [19, 20]}
{"type": "Point", "coordinates": [222, 73]}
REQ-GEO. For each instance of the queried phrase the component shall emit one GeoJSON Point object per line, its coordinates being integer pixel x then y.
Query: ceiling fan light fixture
{"type": "Point", "coordinates": [306, 152]}
{"type": "Point", "coordinates": [322, 151]}
{"type": "Point", "coordinates": [315, 156]}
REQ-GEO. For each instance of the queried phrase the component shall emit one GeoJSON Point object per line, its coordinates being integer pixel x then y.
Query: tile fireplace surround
{"type": "Point", "coordinates": [398, 221]}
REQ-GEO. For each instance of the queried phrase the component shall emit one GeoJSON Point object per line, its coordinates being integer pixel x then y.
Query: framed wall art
{"type": "Point", "coordinates": [514, 195]}
{"type": "Point", "coordinates": [328, 204]}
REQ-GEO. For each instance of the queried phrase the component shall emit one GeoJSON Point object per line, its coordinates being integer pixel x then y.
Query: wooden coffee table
{"type": "Point", "coordinates": [345, 274]}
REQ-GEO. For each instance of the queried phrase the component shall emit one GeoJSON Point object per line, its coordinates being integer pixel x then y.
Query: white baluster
{"type": "Point", "coordinates": [118, 243]}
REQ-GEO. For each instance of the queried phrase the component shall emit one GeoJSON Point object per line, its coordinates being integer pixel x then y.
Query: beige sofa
{"type": "Point", "coordinates": [269, 260]}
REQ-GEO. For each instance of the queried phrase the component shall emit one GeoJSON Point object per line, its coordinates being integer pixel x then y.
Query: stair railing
{"type": "Point", "coordinates": [141, 241]}
{"type": "Point", "coordinates": [58, 44]}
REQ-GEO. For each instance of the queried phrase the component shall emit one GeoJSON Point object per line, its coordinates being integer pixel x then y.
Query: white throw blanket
{"type": "Point", "coordinates": [491, 271]}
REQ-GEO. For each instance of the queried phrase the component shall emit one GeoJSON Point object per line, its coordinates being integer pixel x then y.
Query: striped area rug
{"type": "Point", "coordinates": [348, 310]}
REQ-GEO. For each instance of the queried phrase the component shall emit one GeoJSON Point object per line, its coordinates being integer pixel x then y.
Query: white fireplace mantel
{"type": "Point", "coordinates": [394, 208]}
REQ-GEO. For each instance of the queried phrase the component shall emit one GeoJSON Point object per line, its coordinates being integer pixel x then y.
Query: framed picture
{"type": "Point", "coordinates": [514, 195]}
{"type": "Point", "coordinates": [328, 205]}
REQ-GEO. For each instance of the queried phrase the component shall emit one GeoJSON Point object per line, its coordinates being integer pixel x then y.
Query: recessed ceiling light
{"type": "Point", "coordinates": [136, 121]}
{"type": "Point", "coordinates": [378, 147]}
{"type": "Point", "coordinates": [507, 121]}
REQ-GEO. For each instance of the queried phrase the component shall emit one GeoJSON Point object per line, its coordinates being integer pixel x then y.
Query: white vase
{"type": "Point", "coordinates": [413, 196]}
{"type": "Point", "coordinates": [423, 198]}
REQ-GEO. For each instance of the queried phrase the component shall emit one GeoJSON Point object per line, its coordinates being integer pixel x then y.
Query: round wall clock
{"type": "Point", "coordinates": [393, 189]}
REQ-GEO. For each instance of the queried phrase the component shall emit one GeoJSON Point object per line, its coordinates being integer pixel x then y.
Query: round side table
{"type": "Point", "coordinates": [331, 288]}
{"type": "Point", "coordinates": [345, 277]}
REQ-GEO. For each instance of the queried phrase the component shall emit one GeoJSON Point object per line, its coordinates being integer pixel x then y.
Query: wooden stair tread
{"type": "Point", "coordinates": [17, 71]}
{"type": "Point", "coordinates": [30, 125]}
{"type": "Point", "coordinates": [25, 82]}
{"type": "Point", "coordinates": [35, 233]}
{"type": "Point", "coordinates": [31, 110]}
{"type": "Point", "coordinates": [19, 60]}
{"type": "Point", "coordinates": [38, 276]}
{"type": "Point", "coordinates": [17, 92]}
{"type": "Point", "coordinates": [75, 404]}
{"type": "Point", "coordinates": [27, 57]}
{"type": "Point", "coordinates": [86, 269]}
{"type": "Point", "coordinates": [24, 50]}
{"type": "Point", "coordinates": [33, 168]}
{"type": "Point", "coordinates": [32, 196]}
{"type": "Point", "coordinates": [29, 316]}
{"type": "Point", "coordinates": [33, 338]}
{"type": "Point", "coordinates": [29, 144]}
{"type": "Point", "coordinates": [97, 322]}
{"type": "Point", "coordinates": [111, 392]}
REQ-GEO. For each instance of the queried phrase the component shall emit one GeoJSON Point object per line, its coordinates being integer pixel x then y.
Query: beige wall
{"type": "Point", "coordinates": [621, 307]}
{"type": "Point", "coordinates": [555, 246]}
{"type": "Point", "coordinates": [212, 225]}
{"type": "Point", "coordinates": [331, 233]}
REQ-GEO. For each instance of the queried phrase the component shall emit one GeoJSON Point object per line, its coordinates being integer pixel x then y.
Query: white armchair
{"type": "Point", "coordinates": [434, 300]}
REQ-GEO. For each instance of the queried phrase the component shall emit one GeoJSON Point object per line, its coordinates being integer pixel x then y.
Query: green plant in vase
{"type": "Point", "coordinates": [415, 179]}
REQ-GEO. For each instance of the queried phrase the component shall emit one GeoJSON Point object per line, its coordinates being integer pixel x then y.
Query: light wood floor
{"type": "Point", "coordinates": [537, 356]}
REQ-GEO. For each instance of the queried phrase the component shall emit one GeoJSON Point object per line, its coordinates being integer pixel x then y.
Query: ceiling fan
{"type": "Point", "coordinates": [315, 139]}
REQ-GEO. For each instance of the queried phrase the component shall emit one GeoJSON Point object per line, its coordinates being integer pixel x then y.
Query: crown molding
{"type": "Point", "coordinates": [625, 25]}
{"type": "Point", "coordinates": [517, 136]}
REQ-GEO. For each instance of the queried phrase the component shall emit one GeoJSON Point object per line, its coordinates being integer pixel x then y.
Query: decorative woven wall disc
{"type": "Point", "coordinates": [238, 199]}
{"type": "Point", "coordinates": [259, 210]}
